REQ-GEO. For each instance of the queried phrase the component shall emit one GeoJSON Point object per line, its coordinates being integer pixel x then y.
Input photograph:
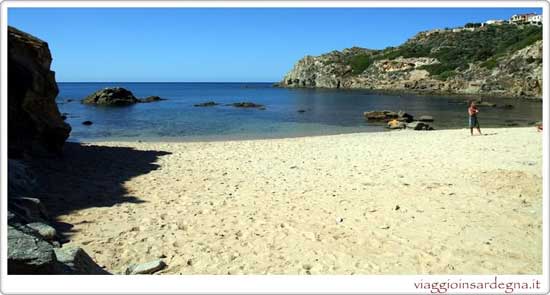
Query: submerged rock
{"type": "Point", "coordinates": [426, 119]}
{"type": "Point", "coordinates": [87, 123]}
{"type": "Point", "coordinates": [247, 105]}
{"type": "Point", "coordinates": [151, 99]}
{"type": "Point", "coordinates": [380, 115]}
{"type": "Point", "coordinates": [206, 104]}
{"type": "Point", "coordinates": [486, 104]}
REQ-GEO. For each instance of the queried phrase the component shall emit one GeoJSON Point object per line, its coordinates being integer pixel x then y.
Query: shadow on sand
{"type": "Point", "coordinates": [90, 176]}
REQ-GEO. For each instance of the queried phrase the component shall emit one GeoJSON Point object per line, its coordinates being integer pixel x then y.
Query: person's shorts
{"type": "Point", "coordinates": [474, 122]}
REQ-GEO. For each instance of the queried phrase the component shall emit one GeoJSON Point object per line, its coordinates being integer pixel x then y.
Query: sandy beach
{"type": "Point", "coordinates": [403, 202]}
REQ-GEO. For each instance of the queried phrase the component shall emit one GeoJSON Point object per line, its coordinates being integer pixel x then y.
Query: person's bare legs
{"type": "Point", "coordinates": [472, 131]}
{"type": "Point", "coordinates": [479, 130]}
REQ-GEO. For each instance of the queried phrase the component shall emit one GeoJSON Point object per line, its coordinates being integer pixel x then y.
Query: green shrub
{"type": "Point", "coordinates": [360, 63]}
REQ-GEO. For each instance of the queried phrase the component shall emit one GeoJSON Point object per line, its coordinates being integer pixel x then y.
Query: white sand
{"type": "Point", "coordinates": [327, 205]}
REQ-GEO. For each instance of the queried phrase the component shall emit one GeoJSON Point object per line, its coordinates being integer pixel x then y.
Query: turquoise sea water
{"type": "Point", "coordinates": [327, 111]}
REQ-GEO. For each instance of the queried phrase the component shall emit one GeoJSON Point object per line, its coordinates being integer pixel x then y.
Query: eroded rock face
{"type": "Point", "coordinates": [34, 122]}
{"type": "Point", "coordinates": [515, 74]}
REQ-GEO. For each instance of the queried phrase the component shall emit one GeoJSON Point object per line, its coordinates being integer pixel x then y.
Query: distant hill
{"type": "Point", "coordinates": [500, 59]}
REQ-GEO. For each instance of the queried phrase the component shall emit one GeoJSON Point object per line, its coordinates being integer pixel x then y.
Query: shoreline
{"type": "Point", "coordinates": [429, 93]}
{"type": "Point", "coordinates": [218, 138]}
{"type": "Point", "coordinates": [439, 202]}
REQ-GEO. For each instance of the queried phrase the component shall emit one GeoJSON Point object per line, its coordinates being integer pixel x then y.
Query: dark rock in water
{"type": "Point", "coordinates": [512, 124]}
{"type": "Point", "coordinates": [405, 117]}
{"type": "Point", "coordinates": [417, 125]}
{"type": "Point", "coordinates": [145, 268]}
{"type": "Point", "coordinates": [87, 123]}
{"type": "Point", "coordinates": [206, 104]}
{"type": "Point", "coordinates": [246, 105]}
{"type": "Point", "coordinates": [69, 100]}
{"type": "Point", "coordinates": [77, 261]}
{"type": "Point", "coordinates": [426, 119]}
{"type": "Point", "coordinates": [113, 96]}
{"type": "Point", "coordinates": [35, 125]}
{"type": "Point", "coordinates": [380, 115]}
{"type": "Point", "coordinates": [485, 104]}
{"type": "Point", "coordinates": [150, 99]}
{"type": "Point", "coordinates": [28, 253]}
{"type": "Point", "coordinates": [301, 111]}
{"type": "Point", "coordinates": [506, 106]}
{"type": "Point", "coordinates": [262, 108]}
{"type": "Point", "coordinates": [64, 117]}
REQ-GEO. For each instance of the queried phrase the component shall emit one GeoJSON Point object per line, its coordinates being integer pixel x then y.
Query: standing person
{"type": "Point", "coordinates": [472, 111]}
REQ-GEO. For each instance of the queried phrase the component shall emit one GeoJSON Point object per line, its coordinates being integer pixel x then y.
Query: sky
{"type": "Point", "coordinates": [220, 44]}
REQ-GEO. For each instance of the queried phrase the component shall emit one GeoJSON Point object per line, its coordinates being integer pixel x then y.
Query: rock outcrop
{"type": "Point", "coordinates": [113, 96]}
{"type": "Point", "coordinates": [35, 128]}
{"type": "Point", "coordinates": [34, 122]}
{"type": "Point", "coordinates": [503, 60]}
{"type": "Point", "coordinates": [117, 96]}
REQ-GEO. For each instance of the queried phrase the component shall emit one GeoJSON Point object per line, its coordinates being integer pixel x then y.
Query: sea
{"type": "Point", "coordinates": [324, 112]}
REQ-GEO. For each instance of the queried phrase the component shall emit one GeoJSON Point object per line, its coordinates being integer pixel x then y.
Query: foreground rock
{"type": "Point", "coordinates": [33, 247]}
{"type": "Point", "coordinates": [77, 261]}
{"type": "Point", "coordinates": [35, 125]}
{"type": "Point", "coordinates": [145, 268]}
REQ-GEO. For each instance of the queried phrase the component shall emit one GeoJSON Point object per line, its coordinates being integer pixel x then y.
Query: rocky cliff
{"type": "Point", "coordinates": [34, 122]}
{"type": "Point", "coordinates": [35, 128]}
{"type": "Point", "coordinates": [501, 60]}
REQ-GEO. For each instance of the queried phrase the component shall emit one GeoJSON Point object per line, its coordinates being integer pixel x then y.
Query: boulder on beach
{"type": "Point", "coordinates": [206, 104]}
{"type": "Point", "coordinates": [380, 115]}
{"type": "Point", "coordinates": [34, 123]}
{"type": "Point", "coordinates": [247, 105]}
{"type": "Point", "coordinates": [112, 96]}
{"type": "Point", "coordinates": [145, 268]}
{"type": "Point", "coordinates": [77, 261]}
{"type": "Point", "coordinates": [417, 125]}
{"type": "Point", "coordinates": [396, 124]}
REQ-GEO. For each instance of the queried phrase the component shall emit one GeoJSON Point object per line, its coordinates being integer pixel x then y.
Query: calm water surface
{"type": "Point", "coordinates": [328, 111]}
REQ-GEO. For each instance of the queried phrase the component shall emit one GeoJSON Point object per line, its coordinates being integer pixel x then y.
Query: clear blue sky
{"type": "Point", "coordinates": [239, 44]}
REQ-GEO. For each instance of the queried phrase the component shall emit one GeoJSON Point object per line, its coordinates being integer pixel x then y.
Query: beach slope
{"type": "Point", "coordinates": [403, 202]}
